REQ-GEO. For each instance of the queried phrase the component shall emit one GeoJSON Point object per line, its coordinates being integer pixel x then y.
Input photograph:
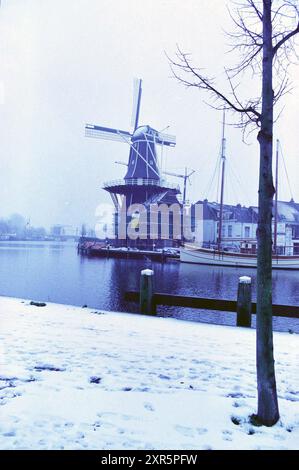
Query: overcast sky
{"type": "Point", "coordinates": [67, 62]}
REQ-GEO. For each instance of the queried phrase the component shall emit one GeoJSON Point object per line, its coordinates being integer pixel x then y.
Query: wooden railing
{"type": "Point", "coordinates": [171, 300]}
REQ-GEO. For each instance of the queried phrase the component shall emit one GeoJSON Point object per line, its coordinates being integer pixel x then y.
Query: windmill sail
{"type": "Point", "coordinates": [142, 168]}
{"type": "Point", "coordinates": [136, 103]}
{"type": "Point", "coordinates": [106, 133]}
{"type": "Point", "coordinates": [165, 139]}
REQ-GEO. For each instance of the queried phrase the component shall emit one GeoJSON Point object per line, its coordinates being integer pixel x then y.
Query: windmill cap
{"type": "Point", "coordinates": [144, 133]}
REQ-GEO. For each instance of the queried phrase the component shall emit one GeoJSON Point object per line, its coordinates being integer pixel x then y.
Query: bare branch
{"type": "Point", "coordinates": [285, 39]}
{"type": "Point", "coordinates": [257, 11]}
{"type": "Point", "coordinates": [205, 83]}
{"type": "Point", "coordinates": [248, 40]}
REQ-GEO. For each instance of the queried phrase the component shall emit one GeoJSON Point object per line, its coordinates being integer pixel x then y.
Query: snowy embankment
{"type": "Point", "coordinates": [73, 379]}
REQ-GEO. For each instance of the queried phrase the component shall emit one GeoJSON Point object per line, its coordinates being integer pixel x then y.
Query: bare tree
{"type": "Point", "coordinates": [264, 36]}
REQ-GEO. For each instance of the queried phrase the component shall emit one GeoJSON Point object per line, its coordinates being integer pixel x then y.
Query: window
{"type": "Point", "coordinates": [247, 232]}
{"type": "Point", "coordinates": [230, 231]}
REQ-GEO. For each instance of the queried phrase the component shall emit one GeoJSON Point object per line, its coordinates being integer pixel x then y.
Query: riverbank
{"type": "Point", "coordinates": [73, 378]}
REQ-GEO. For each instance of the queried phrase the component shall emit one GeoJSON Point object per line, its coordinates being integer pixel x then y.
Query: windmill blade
{"type": "Point", "coordinates": [165, 139]}
{"type": "Point", "coordinates": [173, 174]}
{"type": "Point", "coordinates": [190, 174]}
{"type": "Point", "coordinates": [106, 133]}
{"type": "Point", "coordinates": [136, 102]}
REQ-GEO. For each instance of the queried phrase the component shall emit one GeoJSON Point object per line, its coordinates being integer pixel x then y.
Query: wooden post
{"type": "Point", "coordinates": [146, 292]}
{"type": "Point", "coordinates": [244, 302]}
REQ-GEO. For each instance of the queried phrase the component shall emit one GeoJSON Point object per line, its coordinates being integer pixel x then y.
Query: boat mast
{"type": "Point", "coordinates": [276, 198]}
{"type": "Point", "coordinates": [223, 160]}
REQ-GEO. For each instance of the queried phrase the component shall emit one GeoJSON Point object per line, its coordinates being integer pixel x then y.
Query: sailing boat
{"type": "Point", "coordinates": [191, 253]}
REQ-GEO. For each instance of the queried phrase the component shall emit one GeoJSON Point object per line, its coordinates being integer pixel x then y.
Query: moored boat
{"type": "Point", "coordinates": [194, 254]}
{"type": "Point", "coordinates": [221, 255]}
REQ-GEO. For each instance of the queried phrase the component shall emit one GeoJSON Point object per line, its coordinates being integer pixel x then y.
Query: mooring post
{"type": "Point", "coordinates": [244, 302]}
{"type": "Point", "coordinates": [146, 292]}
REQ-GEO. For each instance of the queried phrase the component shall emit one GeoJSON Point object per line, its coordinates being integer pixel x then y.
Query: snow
{"type": "Point", "coordinates": [147, 272]}
{"type": "Point", "coordinates": [245, 280]}
{"type": "Point", "coordinates": [73, 378]}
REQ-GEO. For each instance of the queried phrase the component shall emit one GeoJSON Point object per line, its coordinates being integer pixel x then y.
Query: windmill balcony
{"type": "Point", "coordinates": [142, 182]}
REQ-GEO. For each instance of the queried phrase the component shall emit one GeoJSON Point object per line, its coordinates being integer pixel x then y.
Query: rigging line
{"type": "Point", "coordinates": [218, 180]}
{"type": "Point", "coordinates": [210, 184]}
{"type": "Point", "coordinates": [201, 163]}
{"type": "Point", "coordinates": [218, 187]}
{"type": "Point", "coordinates": [232, 186]}
{"type": "Point", "coordinates": [286, 171]}
{"type": "Point", "coordinates": [207, 189]}
{"type": "Point", "coordinates": [220, 164]}
{"type": "Point", "coordinates": [211, 187]}
{"type": "Point", "coordinates": [243, 187]}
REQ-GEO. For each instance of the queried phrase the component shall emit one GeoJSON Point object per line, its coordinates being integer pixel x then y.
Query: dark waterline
{"type": "Point", "coordinates": [54, 272]}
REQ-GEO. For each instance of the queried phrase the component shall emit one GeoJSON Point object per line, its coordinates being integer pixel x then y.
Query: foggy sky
{"type": "Point", "coordinates": [67, 62]}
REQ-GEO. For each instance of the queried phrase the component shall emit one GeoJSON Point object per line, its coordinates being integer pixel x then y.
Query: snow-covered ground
{"type": "Point", "coordinates": [73, 379]}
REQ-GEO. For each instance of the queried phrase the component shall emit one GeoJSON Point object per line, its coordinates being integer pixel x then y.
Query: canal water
{"type": "Point", "coordinates": [54, 272]}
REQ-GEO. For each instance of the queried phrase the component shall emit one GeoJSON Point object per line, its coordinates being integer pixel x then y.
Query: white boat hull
{"type": "Point", "coordinates": [223, 258]}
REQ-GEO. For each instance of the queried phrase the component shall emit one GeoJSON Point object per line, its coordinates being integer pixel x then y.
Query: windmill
{"type": "Point", "coordinates": [142, 182]}
{"type": "Point", "coordinates": [143, 177]}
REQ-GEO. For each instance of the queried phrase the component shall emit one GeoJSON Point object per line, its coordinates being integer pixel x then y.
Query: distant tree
{"type": "Point", "coordinates": [17, 224]}
{"type": "Point", "coordinates": [4, 229]}
{"type": "Point", "coordinates": [265, 38]}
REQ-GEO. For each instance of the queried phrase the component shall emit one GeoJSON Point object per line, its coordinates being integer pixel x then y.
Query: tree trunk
{"type": "Point", "coordinates": [268, 413]}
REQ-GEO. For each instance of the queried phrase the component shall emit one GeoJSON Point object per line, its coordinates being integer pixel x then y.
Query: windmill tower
{"type": "Point", "coordinates": [142, 182]}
